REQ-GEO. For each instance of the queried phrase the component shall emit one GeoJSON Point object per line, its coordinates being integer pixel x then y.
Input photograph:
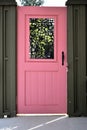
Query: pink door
{"type": "Point", "coordinates": [42, 59]}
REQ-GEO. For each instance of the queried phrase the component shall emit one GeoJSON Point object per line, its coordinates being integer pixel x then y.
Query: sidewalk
{"type": "Point", "coordinates": [44, 123]}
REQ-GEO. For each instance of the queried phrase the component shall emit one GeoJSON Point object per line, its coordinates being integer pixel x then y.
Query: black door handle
{"type": "Point", "coordinates": [63, 57]}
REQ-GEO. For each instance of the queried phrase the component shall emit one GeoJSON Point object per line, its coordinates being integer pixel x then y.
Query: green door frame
{"type": "Point", "coordinates": [7, 58]}
{"type": "Point", "coordinates": [76, 49]}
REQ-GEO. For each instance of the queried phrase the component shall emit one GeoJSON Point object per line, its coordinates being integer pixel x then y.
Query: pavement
{"type": "Point", "coordinates": [53, 122]}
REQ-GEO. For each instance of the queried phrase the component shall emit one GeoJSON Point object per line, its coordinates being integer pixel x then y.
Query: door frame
{"type": "Point", "coordinates": [8, 58]}
{"type": "Point", "coordinates": [76, 49]}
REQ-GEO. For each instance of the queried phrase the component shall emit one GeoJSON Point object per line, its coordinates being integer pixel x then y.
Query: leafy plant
{"type": "Point", "coordinates": [42, 38]}
{"type": "Point", "coordinates": [32, 2]}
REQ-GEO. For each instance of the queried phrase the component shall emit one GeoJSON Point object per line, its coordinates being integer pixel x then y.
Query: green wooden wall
{"type": "Point", "coordinates": [7, 58]}
{"type": "Point", "coordinates": [76, 49]}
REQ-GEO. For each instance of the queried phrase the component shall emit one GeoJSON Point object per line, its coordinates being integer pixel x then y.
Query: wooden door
{"type": "Point", "coordinates": [42, 59]}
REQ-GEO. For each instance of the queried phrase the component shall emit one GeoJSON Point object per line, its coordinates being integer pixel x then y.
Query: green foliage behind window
{"type": "Point", "coordinates": [42, 38]}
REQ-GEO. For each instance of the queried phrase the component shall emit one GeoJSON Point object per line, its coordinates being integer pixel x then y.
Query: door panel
{"type": "Point", "coordinates": [42, 79]}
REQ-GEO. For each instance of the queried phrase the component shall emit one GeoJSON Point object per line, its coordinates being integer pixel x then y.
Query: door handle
{"type": "Point", "coordinates": [63, 57]}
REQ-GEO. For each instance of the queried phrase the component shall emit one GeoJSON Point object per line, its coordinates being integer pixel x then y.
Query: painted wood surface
{"type": "Point", "coordinates": [41, 83]}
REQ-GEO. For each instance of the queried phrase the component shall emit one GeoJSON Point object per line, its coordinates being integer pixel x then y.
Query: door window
{"type": "Point", "coordinates": [41, 38]}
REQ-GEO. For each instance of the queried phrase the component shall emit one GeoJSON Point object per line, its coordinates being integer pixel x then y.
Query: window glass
{"type": "Point", "coordinates": [41, 38]}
